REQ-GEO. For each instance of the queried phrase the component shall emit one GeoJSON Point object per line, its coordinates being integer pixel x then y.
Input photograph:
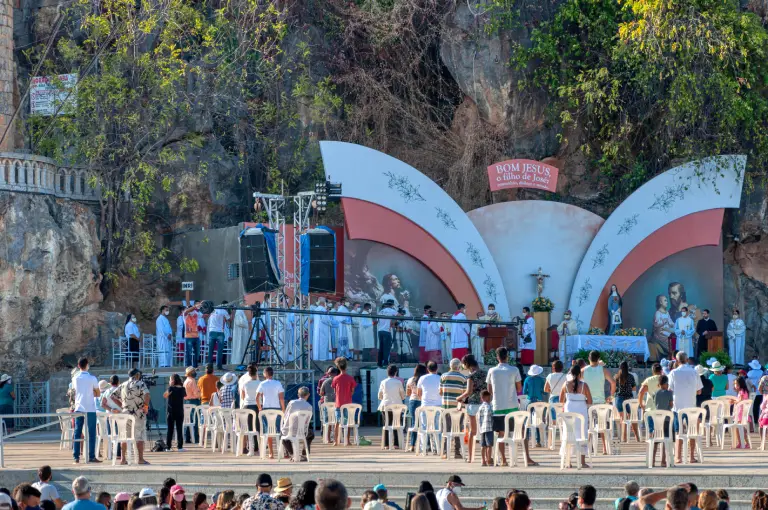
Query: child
{"type": "Point", "coordinates": [485, 427]}
{"type": "Point", "coordinates": [663, 401]}
{"type": "Point", "coordinates": [344, 386]}
{"type": "Point", "coordinates": [742, 393]}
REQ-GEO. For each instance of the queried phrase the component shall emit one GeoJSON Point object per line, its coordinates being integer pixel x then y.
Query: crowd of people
{"type": "Point", "coordinates": [330, 494]}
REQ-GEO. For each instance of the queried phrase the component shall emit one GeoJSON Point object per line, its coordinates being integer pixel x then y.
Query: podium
{"type": "Point", "coordinates": [715, 341]}
{"type": "Point", "coordinates": [495, 337]}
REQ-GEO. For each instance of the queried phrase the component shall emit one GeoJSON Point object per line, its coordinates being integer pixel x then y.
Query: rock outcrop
{"type": "Point", "coordinates": [49, 285]}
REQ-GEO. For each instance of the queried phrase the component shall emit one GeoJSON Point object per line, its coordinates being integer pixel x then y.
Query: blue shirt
{"type": "Point", "coordinates": [83, 504]}
{"type": "Point", "coordinates": [5, 395]}
{"type": "Point", "coordinates": [533, 387]}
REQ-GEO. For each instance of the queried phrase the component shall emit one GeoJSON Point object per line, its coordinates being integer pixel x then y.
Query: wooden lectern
{"type": "Point", "coordinates": [495, 337]}
{"type": "Point", "coordinates": [715, 341]}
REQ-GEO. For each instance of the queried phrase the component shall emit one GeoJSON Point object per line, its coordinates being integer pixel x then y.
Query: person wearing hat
{"type": "Point", "coordinates": [719, 380]}
{"type": "Point", "coordinates": [121, 500]}
{"type": "Point", "coordinates": [177, 497]}
{"type": "Point", "coordinates": [148, 497]}
{"type": "Point", "coordinates": [97, 401]}
{"type": "Point", "coordinates": [283, 490]}
{"type": "Point", "coordinates": [7, 396]}
{"type": "Point", "coordinates": [135, 398]}
{"type": "Point", "coordinates": [191, 397]}
{"type": "Point", "coordinates": [448, 496]}
{"type": "Point", "coordinates": [706, 390]}
{"type": "Point", "coordinates": [81, 489]}
{"type": "Point", "coordinates": [381, 491]}
{"type": "Point", "coordinates": [263, 499]}
{"type": "Point", "coordinates": [5, 502]}
{"type": "Point", "coordinates": [228, 390]}
{"type": "Point", "coordinates": [533, 388]}
{"type": "Point", "coordinates": [753, 378]}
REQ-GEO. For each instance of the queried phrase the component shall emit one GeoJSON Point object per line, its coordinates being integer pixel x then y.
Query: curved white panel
{"type": "Point", "coordinates": [375, 177]}
{"type": "Point", "coordinates": [710, 183]}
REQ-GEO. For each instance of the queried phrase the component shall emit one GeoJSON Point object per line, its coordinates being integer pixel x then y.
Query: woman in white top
{"type": "Point", "coordinates": [248, 390]}
{"type": "Point", "coordinates": [577, 398]}
{"type": "Point", "coordinates": [554, 384]}
{"type": "Point", "coordinates": [133, 335]}
{"type": "Point", "coordinates": [391, 392]}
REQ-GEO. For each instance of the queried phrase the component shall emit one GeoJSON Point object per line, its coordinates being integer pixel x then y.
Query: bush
{"type": "Point", "coordinates": [612, 359]}
{"type": "Point", "coordinates": [489, 358]}
{"type": "Point", "coordinates": [720, 356]}
{"type": "Point", "coordinates": [594, 330]}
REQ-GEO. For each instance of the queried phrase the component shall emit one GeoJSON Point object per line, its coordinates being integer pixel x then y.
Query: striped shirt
{"type": "Point", "coordinates": [452, 384]}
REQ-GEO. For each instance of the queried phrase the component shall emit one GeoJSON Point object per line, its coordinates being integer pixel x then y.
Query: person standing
{"type": "Point", "coordinates": [7, 396]}
{"type": "Point", "coordinates": [86, 387]}
{"type": "Point", "coordinates": [528, 345]}
{"type": "Point", "coordinates": [706, 390]}
{"type": "Point", "coordinates": [459, 333]}
{"type": "Point", "coordinates": [385, 335]}
{"type": "Point", "coordinates": [705, 326]}
{"type": "Point", "coordinates": [452, 384]}
{"type": "Point", "coordinates": [192, 397]}
{"type": "Point", "coordinates": [595, 376]}
{"type": "Point", "coordinates": [719, 380]}
{"type": "Point", "coordinates": [736, 334]}
{"type": "Point", "coordinates": [554, 382]}
{"type": "Point", "coordinates": [216, 326]}
{"type": "Point", "coordinates": [228, 391]}
{"type": "Point", "coordinates": [412, 392]}
{"type": "Point", "coordinates": [192, 316]}
{"type": "Point", "coordinates": [345, 330]}
{"type": "Point", "coordinates": [207, 385]}
{"type": "Point", "coordinates": [471, 397]}
{"type": "Point", "coordinates": [367, 340]}
{"type": "Point", "coordinates": [248, 386]}
{"type": "Point", "coordinates": [180, 340]}
{"type": "Point", "coordinates": [423, 332]}
{"type": "Point", "coordinates": [391, 392]}
{"type": "Point", "coordinates": [344, 386]}
{"type": "Point", "coordinates": [240, 336]}
{"type": "Point", "coordinates": [685, 384]}
{"type": "Point", "coordinates": [577, 398]}
{"type": "Point", "coordinates": [684, 332]}
{"type": "Point", "coordinates": [174, 415]}
{"type": "Point", "coordinates": [133, 334]}
{"type": "Point", "coordinates": [321, 338]}
{"type": "Point", "coordinates": [135, 399]}
{"type": "Point", "coordinates": [164, 335]}
{"type": "Point", "coordinates": [505, 383]}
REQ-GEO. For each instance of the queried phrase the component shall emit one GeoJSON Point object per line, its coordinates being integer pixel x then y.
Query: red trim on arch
{"type": "Point", "coordinates": [698, 229]}
{"type": "Point", "coordinates": [372, 222]}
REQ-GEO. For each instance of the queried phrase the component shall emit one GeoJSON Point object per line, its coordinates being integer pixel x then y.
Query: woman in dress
{"type": "Point", "coordinates": [577, 398]}
{"type": "Point", "coordinates": [625, 385]}
{"type": "Point", "coordinates": [662, 327]}
{"type": "Point", "coordinates": [615, 321]}
{"type": "Point", "coordinates": [475, 385]}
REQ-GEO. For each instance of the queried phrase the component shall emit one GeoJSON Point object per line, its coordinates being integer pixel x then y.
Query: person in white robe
{"type": "Point", "coordinates": [445, 338]}
{"type": "Point", "coordinates": [290, 345]}
{"type": "Point", "coordinates": [478, 342]}
{"type": "Point", "coordinates": [736, 331]}
{"type": "Point", "coordinates": [567, 328]}
{"type": "Point", "coordinates": [240, 336]}
{"type": "Point", "coordinates": [684, 331]}
{"type": "Point", "coordinates": [355, 344]}
{"type": "Point", "coordinates": [367, 337]}
{"type": "Point", "coordinates": [321, 346]}
{"type": "Point", "coordinates": [164, 335]}
{"type": "Point", "coordinates": [433, 345]}
{"type": "Point", "coordinates": [459, 333]}
{"type": "Point", "coordinates": [528, 344]}
{"type": "Point", "coordinates": [345, 330]}
{"type": "Point", "coordinates": [423, 327]}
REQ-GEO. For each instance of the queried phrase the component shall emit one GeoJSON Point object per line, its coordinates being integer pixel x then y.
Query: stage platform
{"type": "Point", "coordinates": [741, 472]}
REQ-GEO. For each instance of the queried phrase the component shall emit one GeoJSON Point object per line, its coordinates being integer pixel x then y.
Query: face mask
{"type": "Point", "coordinates": [346, 303]}
{"type": "Point", "coordinates": [457, 490]}
{"type": "Point", "coordinates": [133, 319]}
{"type": "Point", "coordinates": [166, 312]}
{"type": "Point", "coordinates": [178, 497]}
{"type": "Point", "coordinates": [684, 314]}
{"type": "Point", "coordinates": [735, 317]}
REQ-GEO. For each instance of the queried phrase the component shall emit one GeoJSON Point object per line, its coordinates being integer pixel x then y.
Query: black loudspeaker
{"type": "Point", "coordinates": [322, 265]}
{"type": "Point", "coordinates": [257, 269]}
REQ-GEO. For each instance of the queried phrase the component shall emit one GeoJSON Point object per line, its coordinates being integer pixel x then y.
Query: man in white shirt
{"type": "Point", "coordinates": [385, 336]}
{"type": "Point", "coordinates": [300, 404]}
{"type": "Point", "coordinates": [216, 328]}
{"type": "Point", "coordinates": [428, 389]}
{"type": "Point", "coordinates": [270, 393]}
{"type": "Point", "coordinates": [504, 383]}
{"type": "Point", "coordinates": [86, 387]}
{"type": "Point", "coordinates": [164, 335]}
{"type": "Point", "coordinates": [685, 384]}
{"type": "Point", "coordinates": [47, 491]}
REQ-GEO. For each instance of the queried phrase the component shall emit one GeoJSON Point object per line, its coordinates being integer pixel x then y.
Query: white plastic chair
{"type": "Point", "coordinates": [103, 436]}
{"type": "Point", "coordinates": [452, 432]}
{"type": "Point", "coordinates": [224, 429]}
{"type": "Point", "coordinates": [300, 421]}
{"type": "Point", "coordinates": [554, 427]}
{"type": "Point", "coordinates": [763, 434]}
{"type": "Point", "coordinates": [190, 419]}
{"type": "Point", "coordinates": [728, 403]}
{"type": "Point", "coordinates": [395, 426]}
{"type": "Point", "coordinates": [209, 427]}
{"type": "Point", "coordinates": [633, 415]}
{"type": "Point", "coordinates": [513, 438]}
{"type": "Point", "coordinates": [522, 402]}
{"type": "Point", "coordinates": [739, 425]}
{"type": "Point", "coordinates": [715, 422]}
{"type": "Point", "coordinates": [269, 430]}
{"type": "Point", "coordinates": [123, 426]}
{"type": "Point", "coordinates": [241, 417]}
{"type": "Point", "coordinates": [67, 429]}
{"type": "Point", "coordinates": [428, 419]}
{"type": "Point", "coordinates": [572, 438]}
{"type": "Point", "coordinates": [328, 421]}
{"type": "Point", "coordinates": [350, 419]}
{"type": "Point", "coordinates": [658, 418]}
{"type": "Point", "coordinates": [601, 420]}
{"type": "Point", "coordinates": [691, 422]}
{"type": "Point", "coordinates": [119, 352]}
{"type": "Point", "coordinates": [539, 412]}
{"type": "Point", "coordinates": [148, 351]}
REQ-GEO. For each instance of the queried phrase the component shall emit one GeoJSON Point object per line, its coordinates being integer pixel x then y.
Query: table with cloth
{"type": "Point", "coordinates": [630, 344]}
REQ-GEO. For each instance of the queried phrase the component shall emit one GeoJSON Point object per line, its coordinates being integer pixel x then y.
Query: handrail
{"type": "Point", "coordinates": [58, 416]}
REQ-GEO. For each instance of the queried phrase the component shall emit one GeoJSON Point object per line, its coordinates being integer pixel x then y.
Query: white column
{"type": "Point", "coordinates": [2, 172]}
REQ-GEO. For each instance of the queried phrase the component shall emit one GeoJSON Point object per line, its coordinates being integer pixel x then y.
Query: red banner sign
{"type": "Point", "coordinates": [522, 173]}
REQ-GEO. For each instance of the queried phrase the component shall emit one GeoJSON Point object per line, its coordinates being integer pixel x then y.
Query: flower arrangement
{"type": "Point", "coordinates": [595, 331]}
{"type": "Point", "coordinates": [720, 356]}
{"type": "Point", "coordinates": [629, 332]}
{"type": "Point", "coordinates": [542, 304]}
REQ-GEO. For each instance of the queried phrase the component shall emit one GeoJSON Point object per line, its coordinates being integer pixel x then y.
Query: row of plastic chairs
{"type": "Point", "coordinates": [348, 419]}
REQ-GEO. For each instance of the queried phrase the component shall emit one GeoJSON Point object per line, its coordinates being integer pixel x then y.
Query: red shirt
{"type": "Point", "coordinates": [344, 385]}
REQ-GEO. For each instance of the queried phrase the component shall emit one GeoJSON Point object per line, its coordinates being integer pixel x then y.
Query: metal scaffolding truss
{"type": "Point", "coordinates": [302, 209]}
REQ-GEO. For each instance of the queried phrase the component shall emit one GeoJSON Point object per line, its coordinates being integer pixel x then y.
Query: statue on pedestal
{"type": "Point", "coordinates": [736, 334]}
{"type": "Point", "coordinates": [615, 321]}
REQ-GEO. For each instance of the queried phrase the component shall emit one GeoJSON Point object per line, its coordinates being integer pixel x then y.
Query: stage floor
{"type": "Point", "coordinates": [361, 468]}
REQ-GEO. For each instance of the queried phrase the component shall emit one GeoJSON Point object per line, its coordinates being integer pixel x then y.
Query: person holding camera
{"type": "Point", "coordinates": [135, 399]}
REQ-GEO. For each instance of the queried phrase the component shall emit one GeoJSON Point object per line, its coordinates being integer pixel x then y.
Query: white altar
{"type": "Point", "coordinates": [631, 344]}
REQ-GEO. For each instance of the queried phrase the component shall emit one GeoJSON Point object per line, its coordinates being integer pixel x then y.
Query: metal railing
{"type": "Point", "coordinates": [70, 416]}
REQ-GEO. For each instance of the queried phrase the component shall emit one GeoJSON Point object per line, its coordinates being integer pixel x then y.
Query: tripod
{"type": "Point", "coordinates": [254, 342]}
{"type": "Point", "coordinates": [399, 340]}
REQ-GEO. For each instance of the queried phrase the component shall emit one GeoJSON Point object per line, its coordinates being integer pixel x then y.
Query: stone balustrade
{"type": "Point", "coordinates": [37, 174]}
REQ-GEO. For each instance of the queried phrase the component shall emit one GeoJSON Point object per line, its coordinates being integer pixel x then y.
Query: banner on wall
{"type": "Point", "coordinates": [522, 173]}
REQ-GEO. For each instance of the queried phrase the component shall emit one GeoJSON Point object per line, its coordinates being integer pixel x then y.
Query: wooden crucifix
{"type": "Point", "coordinates": [539, 281]}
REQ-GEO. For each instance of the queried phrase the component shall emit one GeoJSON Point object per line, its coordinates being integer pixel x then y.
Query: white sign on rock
{"type": "Point", "coordinates": [49, 92]}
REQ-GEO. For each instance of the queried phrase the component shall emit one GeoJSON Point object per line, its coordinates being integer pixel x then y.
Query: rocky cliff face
{"type": "Point", "coordinates": [49, 285]}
